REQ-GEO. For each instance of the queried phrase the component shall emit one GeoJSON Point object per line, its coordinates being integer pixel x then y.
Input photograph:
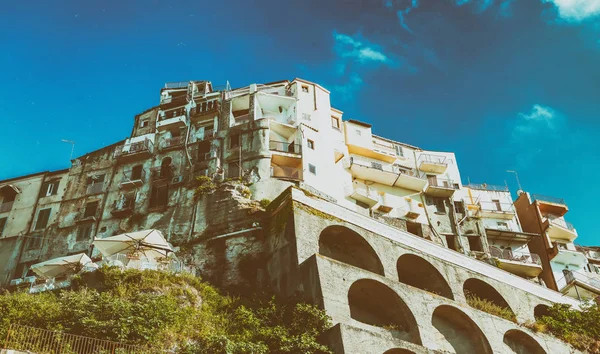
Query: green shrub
{"type": "Point", "coordinates": [490, 307]}
{"type": "Point", "coordinates": [205, 185]}
{"type": "Point", "coordinates": [168, 311]}
{"type": "Point", "coordinates": [265, 203]}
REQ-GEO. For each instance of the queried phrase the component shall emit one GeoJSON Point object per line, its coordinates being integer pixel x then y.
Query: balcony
{"type": "Point", "coordinates": [550, 205]}
{"type": "Point", "coordinates": [176, 121]}
{"type": "Point", "coordinates": [376, 171]}
{"type": "Point", "coordinates": [363, 194]}
{"type": "Point", "coordinates": [285, 172]}
{"type": "Point", "coordinates": [496, 210]}
{"type": "Point", "coordinates": [95, 188]}
{"type": "Point", "coordinates": [523, 264]}
{"type": "Point", "coordinates": [285, 153]}
{"type": "Point", "coordinates": [384, 148]}
{"type": "Point", "coordinates": [204, 111]}
{"type": "Point", "coordinates": [488, 187]}
{"type": "Point", "coordinates": [206, 135]}
{"type": "Point", "coordinates": [162, 174]}
{"type": "Point", "coordinates": [124, 207]}
{"type": "Point", "coordinates": [139, 149]}
{"type": "Point", "coordinates": [6, 207]}
{"type": "Point", "coordinates": [241, 119]}
{"type": "Point", "coordinates": [560, 229]}
{"type": "Point", "coordinates": [171, 143]}
{"type": "Point", "coordinates": [133, 178]}
{"type": "Point", "coordinates": [441, 187]}
{"type": "Point", "coordinates": [409, 178]}
{"type": "Point", "coordinates": [588, 281]}
{"type": "Point", "coordinates": [432, 163]}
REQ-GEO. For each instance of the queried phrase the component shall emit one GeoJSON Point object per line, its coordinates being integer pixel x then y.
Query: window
{"type": "Point", "coordinates": [84, 232]}
{"type": "Point", "coordinates": [377, 166]}
{"type": "Point", "coordinates": [312, 169]}
{"type": "Point", "coordinates": [311, 144]}
{"type": "Point", "coordinates": [306, 116]}
{"type": "Point", "coordinates": [399, 150]}
{"type": "Point", "coordinates": [91, 209]}
{"type": "Point", "coordinates": [451, 241]}
{"type": "Point", "coordinates": [2, 225]}
{"type": "Point", "coordinates": [502, 225]}
{"type": "Point", "coordinates": [335, 123]}
{"type": "Point", "coordinates": [136, 172]}
{"type": "Point", "coordinates": [50, 188]}
{"type": "Point", "coordinates": [34, 242]}
{"type": "Point", "coordinates": [459, 207]}
{"type": "Point", "coordinates": [497, 204]}
{"type": "Point", "coordinates": [233, 170]}
{"type": "Point", "coordinates": [358, 132]}
{"type": "Point", "coordinates": [235, 141]}
{"type": "Point", "coordinates": [42, 219]}
{"type": "Point", "coordinates": [440, 207]}
{"type": "Point", "coordinates": [159, 196]}
{"type": "Point", "coordinates": [305, 88]}
{"type": "Point", "coordinates": [475, 243]}
{"type": "Point", "coordinates": [144, 123]}
{"type": "Point", "coordinates": [414, 228]}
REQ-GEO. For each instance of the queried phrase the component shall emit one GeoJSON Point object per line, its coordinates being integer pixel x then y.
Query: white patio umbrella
{"type": "Point", "coordinates": [62, 265]}
{"type": "Point", "coordinates": [149, 243]}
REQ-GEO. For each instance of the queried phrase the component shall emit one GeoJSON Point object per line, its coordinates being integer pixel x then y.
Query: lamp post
{"type": "Point", "coordinates": [72, 146]}
{"type": "Point", "coordinates": [517, 176]}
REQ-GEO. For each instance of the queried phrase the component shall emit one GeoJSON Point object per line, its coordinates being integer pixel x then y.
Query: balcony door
{"type": "Point", "coordinates": [432, 180]}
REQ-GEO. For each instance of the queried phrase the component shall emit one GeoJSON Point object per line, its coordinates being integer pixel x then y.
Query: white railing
{"type": "Point", "coordinates": [515, 256]}
{"type": "Point", "coordinates": [496, 207]}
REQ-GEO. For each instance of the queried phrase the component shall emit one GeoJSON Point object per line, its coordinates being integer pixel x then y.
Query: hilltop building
{"type": "Point", "coordinates": [360, 224]}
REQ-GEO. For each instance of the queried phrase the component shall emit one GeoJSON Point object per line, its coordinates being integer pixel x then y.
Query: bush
{"type": "Point", "coordinates": [205, 186]}
{"type": "Point", "coordinates": [491, 308]}
{"type": "Point", "coordinates": [264, 203]}
{"type": "Point", "coordinates": [168, 311]}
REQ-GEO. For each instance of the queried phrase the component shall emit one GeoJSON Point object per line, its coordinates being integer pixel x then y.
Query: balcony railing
{"type": "Point", "coordinates": [488, 187]}
{"type": "Point", "coordinates": [172, 142]}
{"type": "Point", "coordinates": [134, 148]}
{"type": "Point", "coordinates": [160, 173]}
{"type": "Point", "coordinates": [496, 207]}
{"type": "Point", "coordinates": [175, 85]}
{"type": "Point", "coordinates": [131, 177]}
{"type": "Point", "coordinates": [124, 206]}
{"type": "Point", "coordinates": [443, 183]}
{"type": "Point", "coordinates": [37, 340]}
{"type": "Point", "coordinates": [244, 118]}
{"type": "Point", "coordinates": [433, 159]}
{"type": "Point", "coordinates": [282, 146]}
{"type": "Point", "coordinates": [294, 173]}
{"type": "Point", "coordinates": [510, 255]}
{"type": "Point", "coordinates": [6, 207]}
{"type": "Point", "coordinates": [544, 198]}
{"type": "Point", "coordinates": [95, 188]}
{"type": "Point", "coordinates": [571, 276]}
{"type": "Point", "coordinates": [562, 223]}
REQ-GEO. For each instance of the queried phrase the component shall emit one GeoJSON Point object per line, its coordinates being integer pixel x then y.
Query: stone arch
{"type": "Point", "coordinates": [461, 333]}
{"type": "Point", "coordinates": [416, 271]}
{"type": "Point", "coordinates": [345, 245]}
{"type": "Point", "coordinates": [521, 343]}
{"type": "Point", "coordinates": [484, 291]}
{"type": "Point", "coordinates": [374, 303]}
{"type": "Point", "coordinates": [399, 351]}
{"type": "Point", "coordinates": [540, 311]}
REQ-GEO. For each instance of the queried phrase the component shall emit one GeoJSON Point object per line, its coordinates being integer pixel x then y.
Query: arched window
{"type": "Point", "coordinates": [345, 245]}
{"type": "Point", "coordinates": [521, 343]}
{"type": "Point", "coordinates": [541, 311]}
{"type": "Point", "coordinates": [476, 289]}
{"type": "Point", "coordinates": [415, 271]}
{"type": "Point", "coordinates": [461, 333]}
{"type": "Point", "coordinates": [373, 303]}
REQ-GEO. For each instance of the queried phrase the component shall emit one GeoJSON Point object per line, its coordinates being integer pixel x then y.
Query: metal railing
{"type": "Point", "coordinates": [488, 187]}
{"type": "Point", "coordinates": [435, 159]}
{"type": "Point", "coordinates": [6, 207]}
{"type": "Point", "coordinates": [442, 183]}
{"type": "Point", "coordinates": [283, 146]}
{"type": "Point", "coordinates": [159, 173]}
{"type": "Point", "coordinates": [172, 142]}
{"type": "Point", "coordinates": [545, 198]}
{"type": "Point", "coordinates": [125, 261]}
{"type": "Point", "coordinates": [496, 207]}
{"type": "Point", "coordinates": [510, 255]}
{"type": "Point", "coordinates": [286, 172]}
{"type": "Point", "coordinates": [95, 188]}
{"type": "Point", "coordinates": [176, 84]}
{"type": "Point", "coordinates": [128, 203]}
{"type": "Point", "coordinates": [42, 341]}
{"type": "Point", "coordinates": [562, 223]}
{"type": "Point", "coordinates": [129, 176]}
{"type": "Point", "coordinates": [134, 148]}
{"type": "Point", "coordinates": [571, 276]}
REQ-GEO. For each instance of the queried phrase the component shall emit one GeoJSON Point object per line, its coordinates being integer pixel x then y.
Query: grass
{"type": "Point", "coordinates": [490, 307]}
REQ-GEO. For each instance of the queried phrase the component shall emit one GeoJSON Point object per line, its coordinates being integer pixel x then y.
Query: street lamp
{"type": "Point", "coordinates": [72, 146]}
{"type": "Point", "coordinates": [517, 176]}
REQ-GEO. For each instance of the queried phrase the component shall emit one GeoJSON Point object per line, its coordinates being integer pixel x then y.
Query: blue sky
{"type": "Point", "coordinates": [505, 84]}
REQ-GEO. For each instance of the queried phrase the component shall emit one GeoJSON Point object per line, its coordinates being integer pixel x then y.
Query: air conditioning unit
{"type": "Point", "coordinates": [16, 282]}
{"type": "Point", "coordinates": [177, 180]}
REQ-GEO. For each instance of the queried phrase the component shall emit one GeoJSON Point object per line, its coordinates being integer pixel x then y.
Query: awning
{"type": "Point", "coordinates": [11, 186]}
{"type": "Point", "coordinates": [147, 243]}
{"type": "Point", "coordinates": [510, 235]}
{"type": "Point", "coordinates": [62, 265]}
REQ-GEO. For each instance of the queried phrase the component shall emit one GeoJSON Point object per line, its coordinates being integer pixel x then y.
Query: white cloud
{"type": "Point", "coordinates": [576, 10]}
{"type": "Point", "coordinates": [361, 51]}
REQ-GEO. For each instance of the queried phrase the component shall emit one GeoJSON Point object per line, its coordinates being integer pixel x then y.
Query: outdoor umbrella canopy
{"type": "Point", "coordinates": [149, 243]}
{"type": "Point", "coordinates": [62, 265]}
